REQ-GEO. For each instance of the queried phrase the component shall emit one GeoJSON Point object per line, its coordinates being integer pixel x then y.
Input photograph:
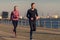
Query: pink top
{"type": "Point", "coordinates": [15, 15]}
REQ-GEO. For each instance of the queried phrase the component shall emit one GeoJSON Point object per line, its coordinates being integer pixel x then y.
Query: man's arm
{"type": "Point", "coordinates": [36, 14]}
{"type": "Point", "coordinates": [28, 16]}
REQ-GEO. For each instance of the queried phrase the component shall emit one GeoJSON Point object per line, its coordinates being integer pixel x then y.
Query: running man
{"type": "Point", "coordinates": [32, 15]}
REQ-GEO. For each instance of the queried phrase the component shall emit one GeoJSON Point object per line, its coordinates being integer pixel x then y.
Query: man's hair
{"type": "Point", "coordinates": [32, 4]}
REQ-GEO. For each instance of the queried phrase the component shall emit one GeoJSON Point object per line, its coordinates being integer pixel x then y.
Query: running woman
{"type": "Point", "coordinates": [14, 17]}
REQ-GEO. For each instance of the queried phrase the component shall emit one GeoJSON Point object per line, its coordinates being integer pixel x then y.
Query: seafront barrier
{"type": "Point", "coordinates": [42, 22]}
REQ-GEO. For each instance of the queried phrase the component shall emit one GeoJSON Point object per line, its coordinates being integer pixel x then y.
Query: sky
{"type": "Point", "coordinates": [44, 7]}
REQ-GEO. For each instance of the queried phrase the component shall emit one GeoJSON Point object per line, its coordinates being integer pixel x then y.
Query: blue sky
{"type": "Point", "coordinates": [50, 7]}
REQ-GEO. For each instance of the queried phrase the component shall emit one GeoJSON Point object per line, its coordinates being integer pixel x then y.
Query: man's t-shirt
{"type": "Point", "coordinates": [32, 14]}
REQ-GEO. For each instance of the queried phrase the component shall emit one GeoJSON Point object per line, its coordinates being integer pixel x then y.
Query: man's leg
{"type": "Point", "coordinates": [31, 32]}
{"type": "Point", "coordinates": [31, 29]}
{"type": "Point", "coordinates": [34, 26]}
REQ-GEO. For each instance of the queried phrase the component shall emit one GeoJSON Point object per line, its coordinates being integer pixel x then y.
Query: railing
{"type": "Point", "coordinates": [39, 23]}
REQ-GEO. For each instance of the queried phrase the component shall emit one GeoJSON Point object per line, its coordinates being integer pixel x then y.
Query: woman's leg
{"type": "Point", "coordinates": [15, 26]}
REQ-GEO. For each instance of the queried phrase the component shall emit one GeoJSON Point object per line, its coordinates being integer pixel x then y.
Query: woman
{"type": "Point", "coordinates": [15, 17]}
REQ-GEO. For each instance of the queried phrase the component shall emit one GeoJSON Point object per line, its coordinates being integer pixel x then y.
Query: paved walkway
{"type": "Point", "coordinates": [10, 36]}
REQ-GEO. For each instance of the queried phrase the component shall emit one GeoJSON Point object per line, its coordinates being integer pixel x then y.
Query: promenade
{"type": "Point", "coordinates": [23, 33]}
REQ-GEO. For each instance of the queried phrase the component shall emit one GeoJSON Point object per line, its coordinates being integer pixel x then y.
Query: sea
{"type": "Point", "coordinates": [42, 22]}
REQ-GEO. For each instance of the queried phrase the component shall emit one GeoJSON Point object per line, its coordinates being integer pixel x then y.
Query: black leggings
{"type": "Point", "coordinates": [32, 27]}
{"type": "Point", "coordinates": [15, 23]}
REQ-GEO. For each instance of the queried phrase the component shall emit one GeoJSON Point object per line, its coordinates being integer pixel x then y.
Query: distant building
{"type": "Point", "coordinates": [0, 17]}
{"type": "Point", "coordinates": [4, 14]}
{"type": "Point", "coordinates": [20, 17]}
{"type": "Point", "coordinates": [55, 16]}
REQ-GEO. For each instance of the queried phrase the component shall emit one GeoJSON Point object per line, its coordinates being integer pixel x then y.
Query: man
{"type": "Point", "coordinates": [32, 15]}
{"type": "Point", "coordinates": [15, 17]}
